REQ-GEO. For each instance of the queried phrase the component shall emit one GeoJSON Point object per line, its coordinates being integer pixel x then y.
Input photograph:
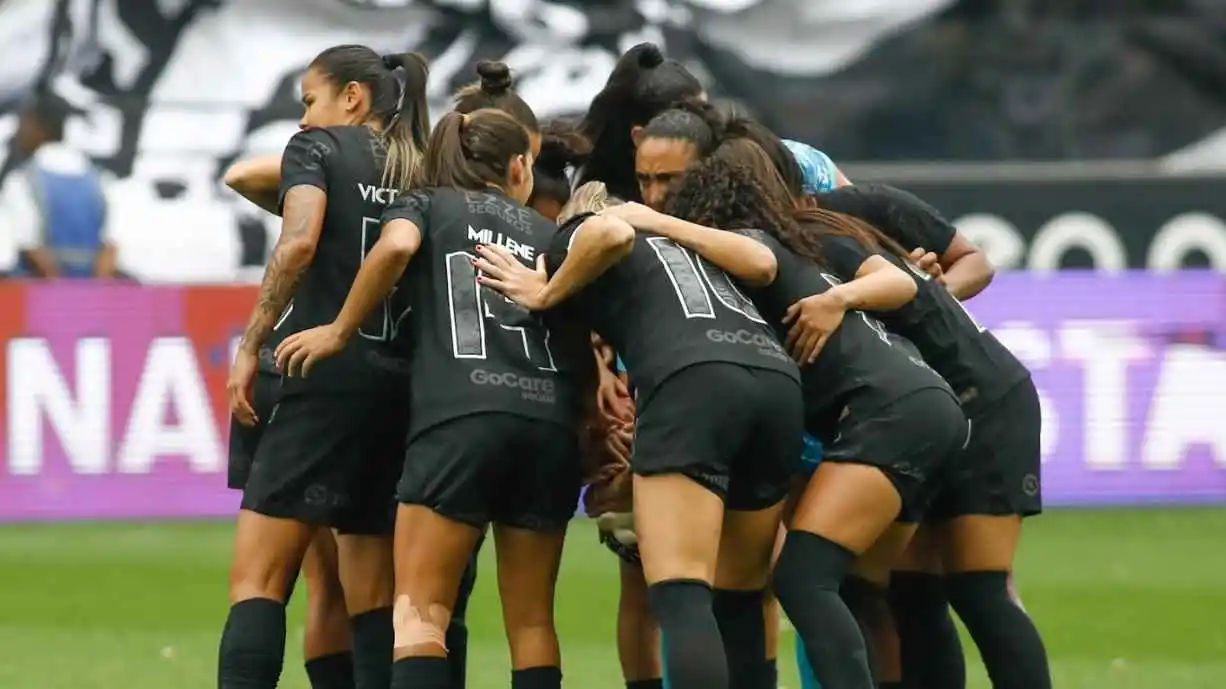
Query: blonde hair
{"type": "Point", "coordinates": [591, 197]}
{"type": "Point", "coordinates": [407, 135]}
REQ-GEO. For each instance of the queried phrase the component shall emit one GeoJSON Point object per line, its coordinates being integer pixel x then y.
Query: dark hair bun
{"type": "Point", "coordinates": [495, 77]}
{"type": "Point", "coordinates": [647, 55]}
{"type": "Point", "coordinates": [393, 61]}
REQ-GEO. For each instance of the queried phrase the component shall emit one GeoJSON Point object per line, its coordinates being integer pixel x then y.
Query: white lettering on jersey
{"type": "Point", "coordinates": [525, 251]}
{"type": "Point", "coordinates": [380, 195]}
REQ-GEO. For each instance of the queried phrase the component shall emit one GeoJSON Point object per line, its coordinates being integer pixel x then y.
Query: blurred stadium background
{"type": "Point", "coordinates": [1082, 143]}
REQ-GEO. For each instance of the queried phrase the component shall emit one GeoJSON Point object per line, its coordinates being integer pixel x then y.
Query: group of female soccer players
{"type": "Point", "coordinates": [435, 352]}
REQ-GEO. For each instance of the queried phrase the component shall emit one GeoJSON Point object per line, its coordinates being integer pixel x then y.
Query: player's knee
{"type": "Point", "coordinates": [260, 578]}
{"type": "Point", "coordinates": [417, 625]}
{"type": "Point", "coordinates": [974, 593]}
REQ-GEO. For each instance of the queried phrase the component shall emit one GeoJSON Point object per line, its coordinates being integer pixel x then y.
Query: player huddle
{"type": "Point", "coordinates": [434, 353]}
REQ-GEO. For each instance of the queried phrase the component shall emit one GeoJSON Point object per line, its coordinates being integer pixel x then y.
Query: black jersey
{"type": "Point", "coordinates": [977, 366]}
{"type": "Point", "coordinates": [663, 309]}
{"type": "Point", "coordinates": [861, 369]}
{"type": "Point", "coordinates": [900, 215]}
{"type": "Point", "coordinates": [474, 349]}
{"type": "Point", "coordinates": [347, 163]}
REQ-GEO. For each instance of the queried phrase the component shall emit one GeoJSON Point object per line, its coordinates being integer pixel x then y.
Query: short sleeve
{"type": "Point", "coordinates": [305, 160]}
{"type": "Point", "coordinates": [923, 222]}
{"type": "Point", "coordinates": [899, 214]}
{"type": "Point", "coordinates": [844, 256]}
{"type": "Point", "coordinates": [559, 247]}
{"type": "Point", "coordinates": [413, 206]}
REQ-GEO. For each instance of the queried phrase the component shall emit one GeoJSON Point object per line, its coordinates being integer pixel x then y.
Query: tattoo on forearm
{"type": "Point", "coordinates": [284, 270]}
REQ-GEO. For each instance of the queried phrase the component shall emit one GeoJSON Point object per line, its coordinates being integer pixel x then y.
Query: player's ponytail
{"type": "Point", "coordinates": [474, 151]}
{"type": "Point", "coordinates": [643, 83]}
{"type": "Point", "coordinates": [495, 89]}
{"type": "Point", "coordinates": [407, 129]}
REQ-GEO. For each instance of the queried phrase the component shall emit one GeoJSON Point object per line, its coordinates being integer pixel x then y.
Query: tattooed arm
{"type": "Point", "coordinates": [302, 220]}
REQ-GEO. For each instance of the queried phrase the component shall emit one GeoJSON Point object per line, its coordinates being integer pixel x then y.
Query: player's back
{"type": "Point", "coordinates": [861, 366]}
{"type": "Point", "coordinates": [347, 163]}
{"type": "Point", "coordinates": [663, 309]}
{"type": "Point", "coordinates": [475, 350]}
{"type": "Point", "coordinates": [977, 365]}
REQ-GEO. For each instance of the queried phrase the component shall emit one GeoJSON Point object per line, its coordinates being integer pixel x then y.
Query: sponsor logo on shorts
{"type": "Point", "coordinates": [531, 388]}
{"type": "Point", "coordinates": [1030, 485]}
{"type": "Point", "coordinates": [767, 345]}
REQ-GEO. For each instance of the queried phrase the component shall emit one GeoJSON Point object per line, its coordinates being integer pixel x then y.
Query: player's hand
{"type": "Point", "coordinates": [298, 353]}
{"type": "Point", "coordinates": [612, 494]}
{"type": "Point", "coordinates": [813, 320]}
{"type": "Point", "coordinates": [238, 387]}
{"type": "Point", "coordinates": [634, 214]}
{"type": "Point", "coordinates": [619, 441]}
{"type": "Point", "coordinates": [613, 400]}
{"type": "Point", "coordinates": [928, 262]}
{"type": "Point", "coordinates": [501, 270]}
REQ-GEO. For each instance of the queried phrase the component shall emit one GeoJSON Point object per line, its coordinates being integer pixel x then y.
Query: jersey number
{"type": "Point", "coordinates": [470, 306]}
{"type": "Point", "coordinates": [381, 326]}
{"type": "Point", "coordinates": [919, 273]}
{"type": "Point", "coordinates": [873, 324]}
{"type": "Point", "coordinates": [695, 280]}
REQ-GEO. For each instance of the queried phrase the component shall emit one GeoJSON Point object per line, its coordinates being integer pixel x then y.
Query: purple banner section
{"type": "Point", "coordinates": [114, 402]}
{"type": "Point", "coordinates": [1132, 375]}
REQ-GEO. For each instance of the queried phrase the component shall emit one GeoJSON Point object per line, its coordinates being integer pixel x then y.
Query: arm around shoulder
{"type": "Point", "coordinates": [614, 236]}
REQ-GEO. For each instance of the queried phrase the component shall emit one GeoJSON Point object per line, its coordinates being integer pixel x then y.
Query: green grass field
{"type": "Point", "coordinates": [1126, 600]}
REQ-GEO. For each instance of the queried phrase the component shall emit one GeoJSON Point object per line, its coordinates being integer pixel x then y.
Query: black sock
{"type": "Point", "coordinates": [457, 652]}
{"type": "Point", "coordinates": [869, 604]}
{"type": "Point", "coordinates": [1008, 641]}
{"type": "Point", "coordinates": [807, 577]}
{"type": "Point", "coordinates": [537, 678]}
{"type": "Point", "coordinates": [928, 642]}
{"type": "Point", "coordinates": [743, 628]}
{"type": "Point", "coordinates": [771, 672]}
{"type": "Point", "coordinates": [421, 672]}
{"type": "Point", "coordinates": [457, 629]}
{"type": "Point", "coordinates": [333, 671]}
{"type": "Point", "coordinates": [682, 608]}
{"type": "Point", "coordinates": [657, 683]}
{"type": "Point", "coordinates": [252, 645]}
{"type": "Point", "coordinates": [372, 648]}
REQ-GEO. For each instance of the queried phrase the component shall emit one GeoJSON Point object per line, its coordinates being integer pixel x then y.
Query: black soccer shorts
{"type": "Point", "coordinates": [734, 429]}
{"type": "Point", "coordinates": [331, 459]}
{"type": "Point", "coordinates": [495, 467]}
{"type": "Point", "coordinates": [245, 439]}
{"type": "Point", "coordinates": [912, 440]}
{"type": "Point", "coordinates": [998, 474]}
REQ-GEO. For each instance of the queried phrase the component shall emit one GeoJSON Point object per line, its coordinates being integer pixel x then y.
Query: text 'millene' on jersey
{"type": "Point", "coordinates": [475, 350]}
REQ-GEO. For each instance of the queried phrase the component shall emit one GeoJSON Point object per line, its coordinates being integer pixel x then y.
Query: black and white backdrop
{"type": "Point", "coordinates": [178, 88]}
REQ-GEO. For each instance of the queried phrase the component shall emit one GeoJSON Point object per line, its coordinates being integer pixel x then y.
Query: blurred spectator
{"type": "Point", "coordinates": [53, 207]}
